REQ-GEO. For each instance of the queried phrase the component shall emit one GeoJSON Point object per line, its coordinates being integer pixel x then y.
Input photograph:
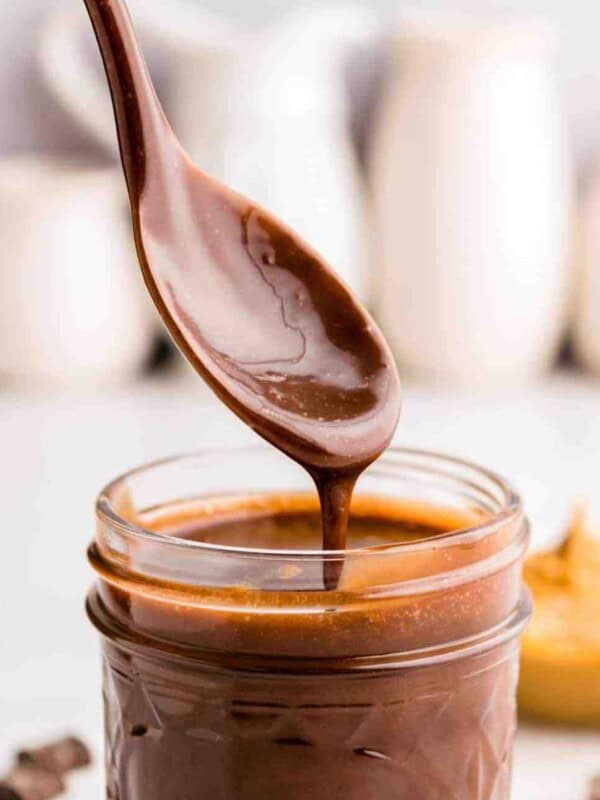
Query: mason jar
{"type": "Point", "coordinates": [231, 673]}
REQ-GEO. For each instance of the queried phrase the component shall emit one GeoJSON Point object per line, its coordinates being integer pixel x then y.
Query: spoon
{"type": "Point", "coordinates": [266, 323]}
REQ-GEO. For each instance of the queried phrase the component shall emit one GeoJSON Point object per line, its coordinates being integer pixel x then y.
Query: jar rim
{"type": "Point", "coordinates": [511, 509]}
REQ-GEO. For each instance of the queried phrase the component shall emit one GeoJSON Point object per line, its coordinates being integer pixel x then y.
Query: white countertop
{"type": "Point", "coordinates": [58, 451]}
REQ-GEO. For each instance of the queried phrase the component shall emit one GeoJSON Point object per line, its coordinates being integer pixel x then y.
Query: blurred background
{"type": "Point", "coordinates": [445, 158]}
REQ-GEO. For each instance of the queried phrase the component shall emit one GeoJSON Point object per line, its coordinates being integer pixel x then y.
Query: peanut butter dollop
{"type": "Point", "coordinates": [560, 661]}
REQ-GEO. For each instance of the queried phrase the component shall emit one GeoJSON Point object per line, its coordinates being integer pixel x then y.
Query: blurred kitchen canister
{"type": "Point", "coordinates": [586, 308]}
{"type": "Point", "coordinates": [472, 191]}
{"type": "Point", "coordinates": [72, 304]}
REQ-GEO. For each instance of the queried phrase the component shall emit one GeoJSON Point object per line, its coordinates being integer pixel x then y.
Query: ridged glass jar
{"type": "Point", "coordinates": [231, 674]}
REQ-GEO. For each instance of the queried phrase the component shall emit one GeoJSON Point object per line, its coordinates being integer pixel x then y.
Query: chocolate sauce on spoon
{"type": "Point", "coordinates": [261, 317]}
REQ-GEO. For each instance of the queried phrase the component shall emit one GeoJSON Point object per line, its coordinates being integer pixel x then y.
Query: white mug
{"type": "Point", "coordinates": [72, 303]}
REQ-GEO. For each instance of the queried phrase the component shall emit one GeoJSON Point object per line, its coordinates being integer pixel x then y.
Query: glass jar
{"type": "Point", "coordinates": [231, 674]}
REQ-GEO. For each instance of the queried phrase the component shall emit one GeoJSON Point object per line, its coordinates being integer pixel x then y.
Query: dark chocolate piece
{"type": "Point", "coordinates": [62, 756]}
{"type": "Point", "coordinates": [292, 703]}
{"type": "Point", "coordinates": [31, 783]}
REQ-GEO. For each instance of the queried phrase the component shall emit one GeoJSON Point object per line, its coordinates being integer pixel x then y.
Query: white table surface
{"type": "Point", "coordinates": [57, 451]}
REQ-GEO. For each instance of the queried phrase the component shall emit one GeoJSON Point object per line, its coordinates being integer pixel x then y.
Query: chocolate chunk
{"type": "Point", "coordinates": [59, 757]}
{"type": "Point", "coordinates": [6, 793]}
{"type": "Point", "coordinates": [31, 783]}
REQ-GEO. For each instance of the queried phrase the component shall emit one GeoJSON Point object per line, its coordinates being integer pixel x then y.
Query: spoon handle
{"type": "Point", "coordinates": [139, 116]}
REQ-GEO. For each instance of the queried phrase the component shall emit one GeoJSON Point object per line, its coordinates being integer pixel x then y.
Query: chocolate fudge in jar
{"type": "Point", "coordinates": [231, 673]}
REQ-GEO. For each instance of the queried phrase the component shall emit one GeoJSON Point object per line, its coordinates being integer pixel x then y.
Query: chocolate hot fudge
{"type": "Point", "coordinates": [262, 683]}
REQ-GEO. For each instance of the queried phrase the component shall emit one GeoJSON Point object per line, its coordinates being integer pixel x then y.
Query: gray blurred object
{"type": "Point", "coordinates": [72, 305]}
{"type": "Point", "coordinates": [473, 199]}
{"type": "Point", "coordinates": [265, 110]}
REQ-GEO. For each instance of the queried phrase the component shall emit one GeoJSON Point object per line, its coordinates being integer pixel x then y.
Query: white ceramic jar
{"type": "Point", "coordinates": [472, 192]}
